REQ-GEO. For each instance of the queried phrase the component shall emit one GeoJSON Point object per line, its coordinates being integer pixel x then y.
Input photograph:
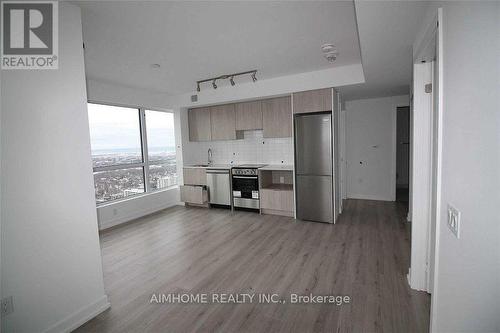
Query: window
{"type": "Point", "coordinates": [161, 149]}
{"type": "Point", "coordinates": [133, 151]}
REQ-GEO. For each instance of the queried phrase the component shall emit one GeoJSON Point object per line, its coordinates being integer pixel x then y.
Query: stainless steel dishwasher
{"type": "Point", "coordinates": [219, 186]}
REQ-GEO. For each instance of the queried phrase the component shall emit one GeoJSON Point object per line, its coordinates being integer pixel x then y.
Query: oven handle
{"type": "Point", "coordinates": [246, 177]}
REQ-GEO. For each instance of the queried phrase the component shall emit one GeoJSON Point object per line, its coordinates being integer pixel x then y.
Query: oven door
{"type": "Point", "coordinates": [245, 187]}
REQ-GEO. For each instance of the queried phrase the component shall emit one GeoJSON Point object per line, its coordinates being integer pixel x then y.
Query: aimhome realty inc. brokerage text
{"type": "Point", "coordinates": [242, 298]}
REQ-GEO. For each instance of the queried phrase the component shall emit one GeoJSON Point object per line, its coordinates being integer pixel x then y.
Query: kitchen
{"type": "Point", "coordinates": [273, 156]}
{"type": "Point", "coordinates": [142, 110]}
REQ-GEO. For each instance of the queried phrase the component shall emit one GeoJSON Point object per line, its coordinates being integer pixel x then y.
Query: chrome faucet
{"type": "Point", "coordinates": [209, 156]}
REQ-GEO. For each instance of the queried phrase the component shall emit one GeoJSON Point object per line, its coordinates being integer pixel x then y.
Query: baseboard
{"type": "Point", "coordinates": [369, 197]}
{"type": "Point", "coordinates": [80, 317]}
{"type": "Point", "coordinates": [276, 212]}
{"type": "Point", "coordinates": [135, 215]}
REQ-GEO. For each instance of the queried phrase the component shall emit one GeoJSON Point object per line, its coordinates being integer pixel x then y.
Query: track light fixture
{"type": "Point", "coordinates": [253, 74]}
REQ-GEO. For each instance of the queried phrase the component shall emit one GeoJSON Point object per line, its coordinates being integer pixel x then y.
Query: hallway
{"type": "Point", "coordinates": [189, 250]}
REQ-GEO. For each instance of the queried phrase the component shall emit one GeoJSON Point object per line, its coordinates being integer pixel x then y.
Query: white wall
{"type": "Point", "coordinates": [252, 149]}
{"type": "Point", "coordinates": [119, 212]}
{"type": "Point", "coordinates": [371, 140]}
{"type": "Point", "coordinates": [468, 288]}
{"type": "Point", "coordinates": [116, 213]}
{"type": "Point", "coordinates": [336, 154]}
{"type": "Point", "coordinates": [115, 94]}
{"type": "Point", "coordinates": [51, 260]}
{"type": "Point", "coordinates": [1, 230]}
{"type": "Point", "coordinates": [343, 158]}
{"type": "Point", "coordinates": [278, 86]}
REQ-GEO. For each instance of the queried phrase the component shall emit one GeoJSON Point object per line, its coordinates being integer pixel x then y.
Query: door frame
{"type": "Point", "coordinates": [438, 162]}
{"type": "Point", "coordinates": [426, 240]}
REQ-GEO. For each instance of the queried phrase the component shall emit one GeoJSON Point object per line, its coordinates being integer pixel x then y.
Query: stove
{"type": "Point", "coordinates": [250, 166]}
{"type": "Point", "coordinates": [245, 181]}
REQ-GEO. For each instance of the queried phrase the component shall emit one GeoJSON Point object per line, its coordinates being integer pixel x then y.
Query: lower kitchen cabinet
{"type": "Point", "coordinates": [195, 176]}
{"type": "Point", "coordinates": [196, 195]}
{"type": "Point", "coordinates": [276, 201]}
{"type": "Point", "coordinates": [276, 191]}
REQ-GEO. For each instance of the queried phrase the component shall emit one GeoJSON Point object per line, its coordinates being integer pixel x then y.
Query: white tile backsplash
{"type": "Point", "coordinates": [252, 149]}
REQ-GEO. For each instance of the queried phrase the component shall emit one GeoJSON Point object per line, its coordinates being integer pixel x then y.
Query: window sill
{"type": "Point", "coordinates": [131, 198]}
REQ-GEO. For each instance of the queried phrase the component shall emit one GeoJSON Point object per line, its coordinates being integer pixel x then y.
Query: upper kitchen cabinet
{"type": "Point", "coordinates": [277, 117]}
{"type": "Point", "coordinates": [312, 101]}
{"type": "Point", "coordinates": [199, 124]}
{"type": "Point", "coordinates": [223, 122]}
{"type": "Point", "coordinates": [248, 116]}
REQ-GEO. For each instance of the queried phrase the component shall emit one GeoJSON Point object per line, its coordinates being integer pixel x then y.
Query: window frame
{"type": "Point", "coordinates": [144, 151]}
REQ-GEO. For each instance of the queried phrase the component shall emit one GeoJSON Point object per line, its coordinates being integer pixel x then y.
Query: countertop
{"type": "Point", "coordinates": [213, 166]}
{"type": "Point", "coordinates": [277, 167]}
{"type": "Point", "coordinates": [269, 167]}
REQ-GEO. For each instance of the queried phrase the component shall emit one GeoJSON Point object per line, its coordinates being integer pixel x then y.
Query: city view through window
{"type": "Point", "coordinates": [121, 168]}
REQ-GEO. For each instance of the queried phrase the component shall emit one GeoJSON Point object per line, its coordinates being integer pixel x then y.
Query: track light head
{"type": "Point", "coordinates": [231, 80]}
{"type": "Point", "coordinates": [214, 84]}
{"type": "Point", "coordinates": [254, 78]}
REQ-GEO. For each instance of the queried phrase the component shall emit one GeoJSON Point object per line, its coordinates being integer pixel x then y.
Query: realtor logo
{"type": "Point", "coordinates": [29, 35]}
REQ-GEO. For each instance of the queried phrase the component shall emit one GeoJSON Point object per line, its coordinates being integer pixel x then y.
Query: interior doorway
{"type": "Point", "coordinates": [403, 154]}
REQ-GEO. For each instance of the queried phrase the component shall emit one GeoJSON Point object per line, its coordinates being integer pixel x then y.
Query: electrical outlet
{"type": "Point", "coordinates": [454, 220]}
{"type": "Point", "coordinates": [7, 306]}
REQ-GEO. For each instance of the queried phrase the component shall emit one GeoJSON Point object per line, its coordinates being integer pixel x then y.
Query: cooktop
{"type": "Point", "coordinates": [249, 166]}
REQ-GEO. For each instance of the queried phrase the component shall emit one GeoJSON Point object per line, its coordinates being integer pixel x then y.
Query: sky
{"type": "Point", "coordinates": [114, 127]}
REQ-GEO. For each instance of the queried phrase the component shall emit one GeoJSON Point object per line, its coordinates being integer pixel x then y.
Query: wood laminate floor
{"type": "Point", "coordinates": [194, 250]}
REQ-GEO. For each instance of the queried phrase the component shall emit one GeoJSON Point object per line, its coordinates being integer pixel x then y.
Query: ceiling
{"type": "Point", "coordinates": [197, 40]}
{"type": "Point", "coordinates": [387, 30]}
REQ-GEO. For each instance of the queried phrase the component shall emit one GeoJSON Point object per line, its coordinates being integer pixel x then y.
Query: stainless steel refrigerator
{"type": "Point", "coordinates": [313, 167]}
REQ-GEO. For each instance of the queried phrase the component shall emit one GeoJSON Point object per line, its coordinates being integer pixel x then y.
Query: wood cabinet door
{"type": "Point", "coordinates": [223, 122]}
{"type": "Point", "coordinates": [287, 201]}
{"type": "Point", "coordinates": [312, 101]}
{"type": "Point", "coordinates": [195, 176]}
{"type": "Point", "coordinates": [248, 116]}
{"type": "Point", "coordinates": [199, 124]}
{"type": "Point", "coordinates": [277, 117]}
{"type": "Point", "coordinates": [276, 200]}
{"type": "Point", "coordinates": [269, 199]}
{"type": "Point", "coordinates": [193, 194]}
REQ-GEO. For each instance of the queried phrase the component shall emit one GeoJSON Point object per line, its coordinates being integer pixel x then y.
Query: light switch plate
{"type": "Point", "coordinates": [7, 306]}
{"type": "Point", "coordinates": [454, 220]}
